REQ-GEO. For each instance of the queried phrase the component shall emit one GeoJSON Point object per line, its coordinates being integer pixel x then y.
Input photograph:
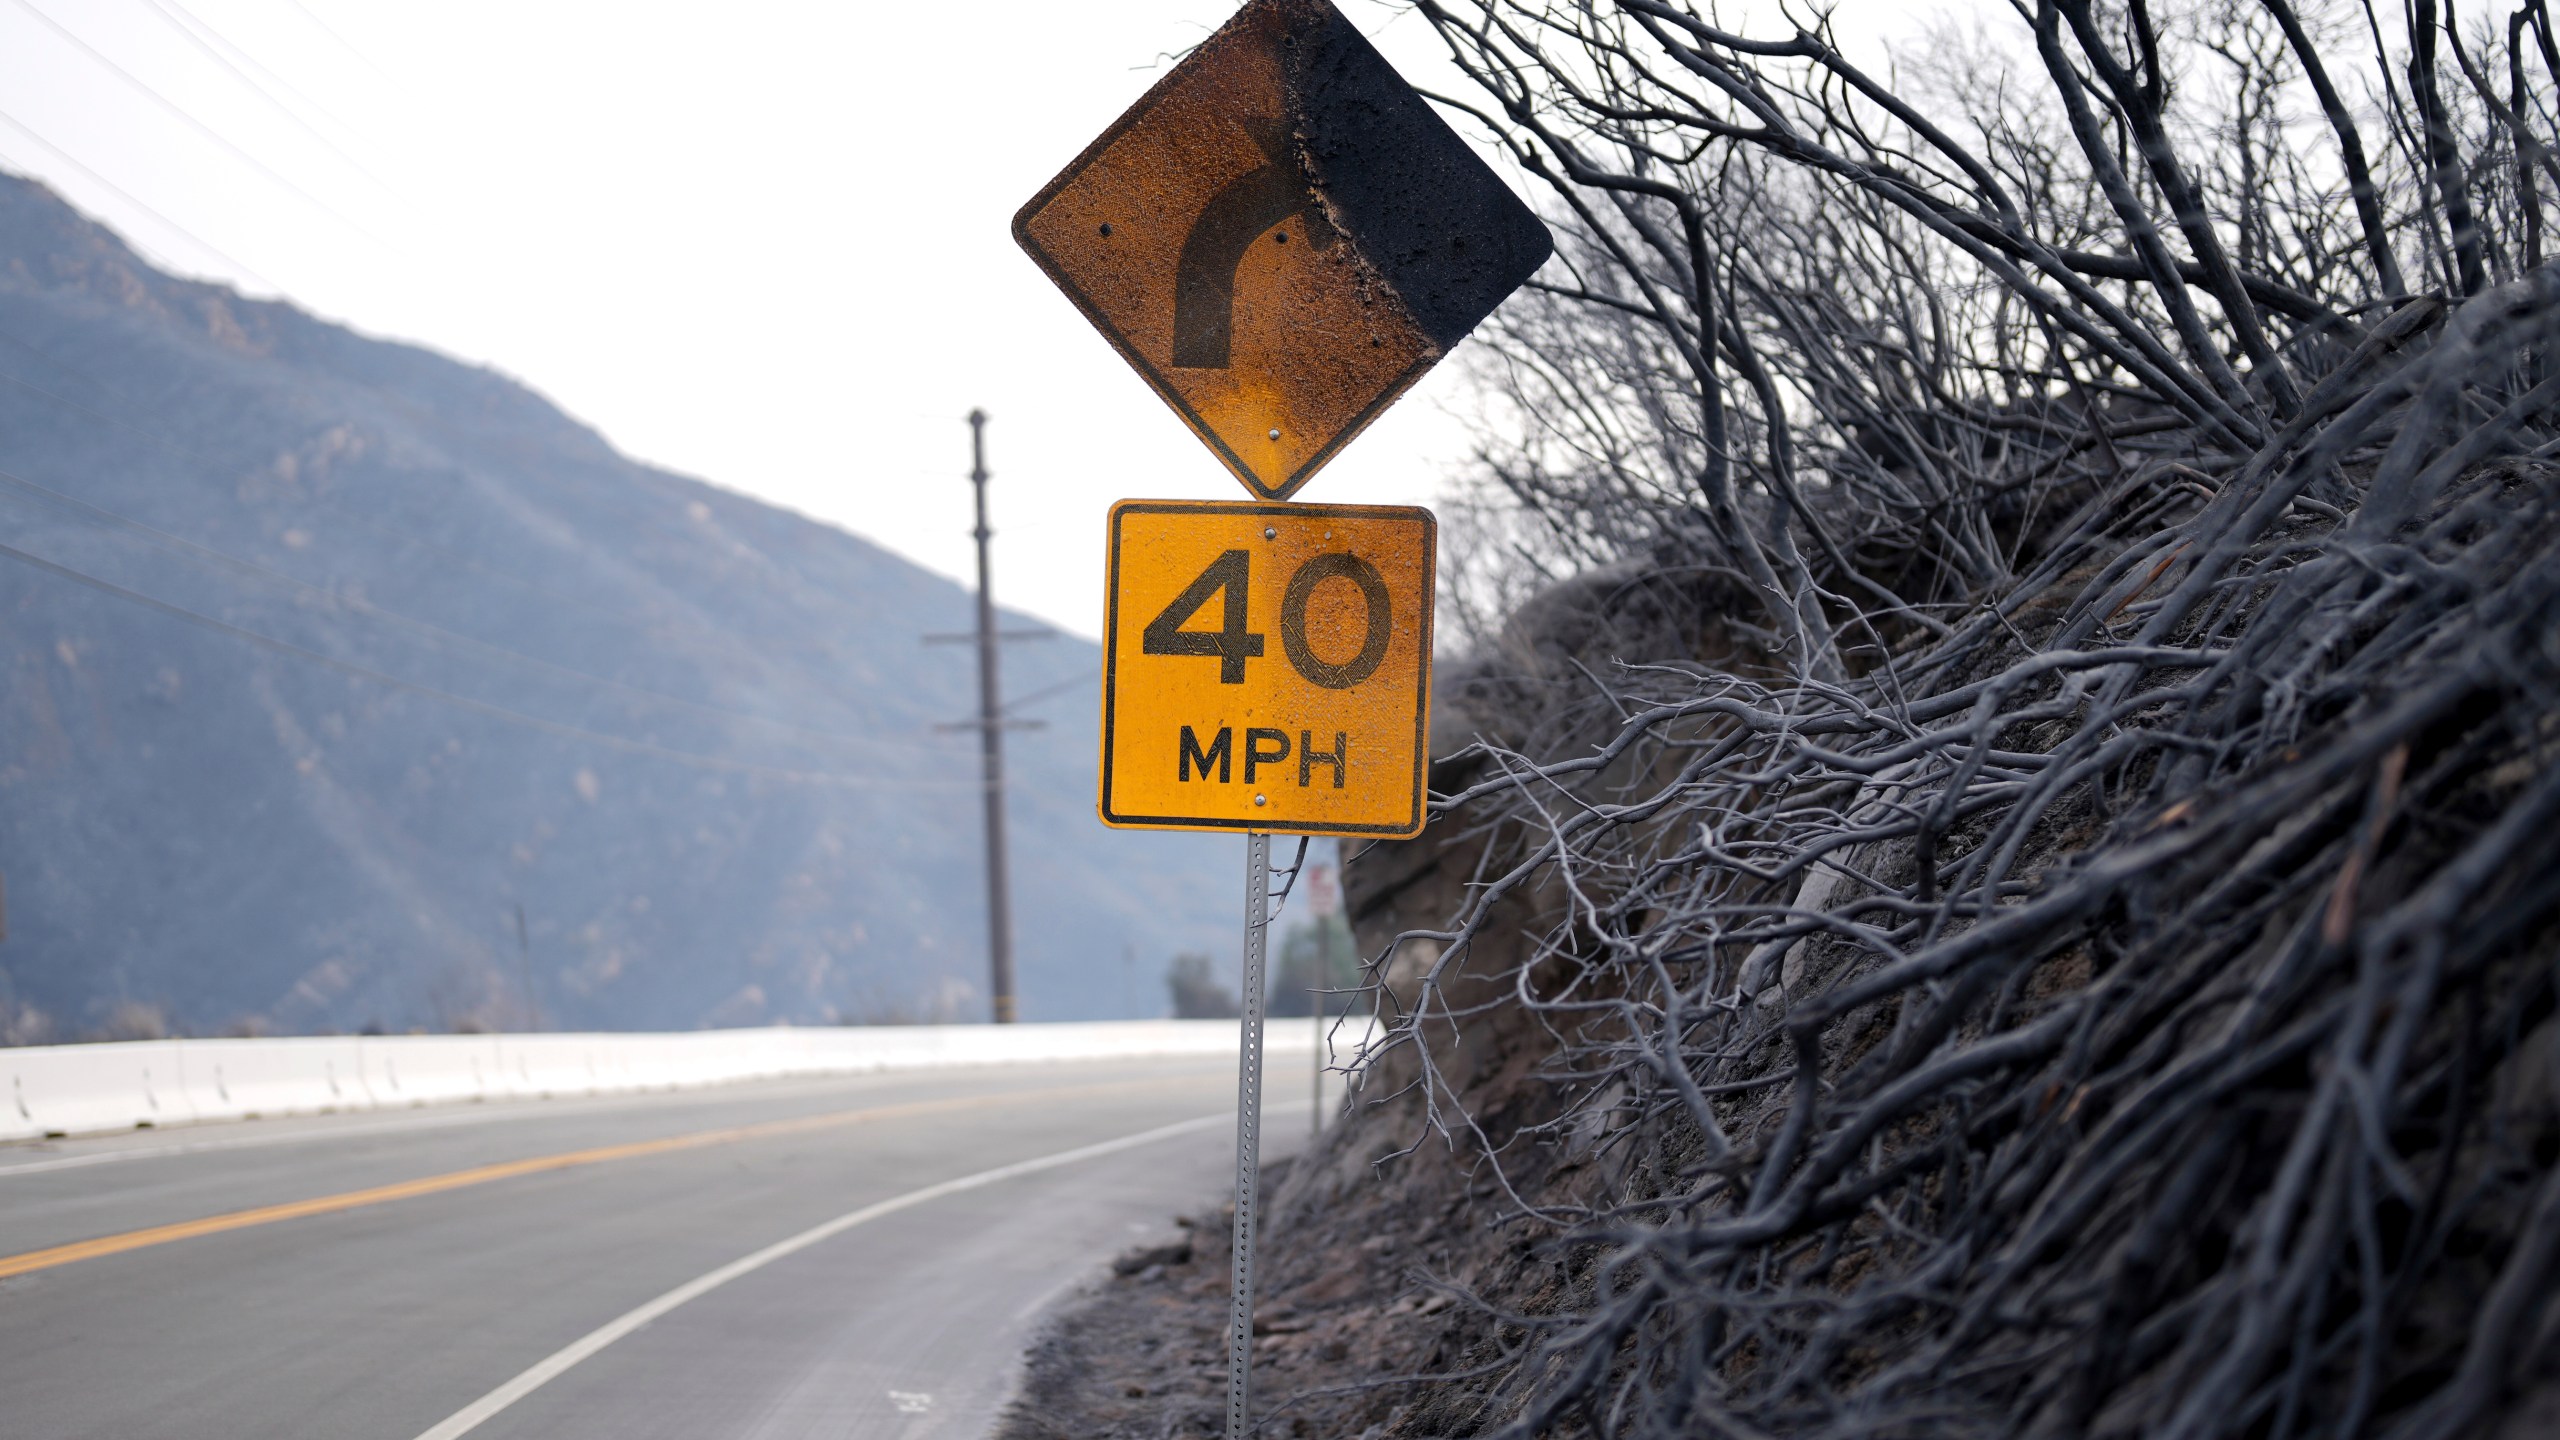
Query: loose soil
{"type": "Point", "coordinates": [1347, 1310]}
{"type": "Point", "coordinates": [1367, 1238]}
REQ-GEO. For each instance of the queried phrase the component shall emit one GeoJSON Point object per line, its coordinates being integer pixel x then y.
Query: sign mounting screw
{"type": "Point", "coordinates": [1275, 434]}
{"type": "Point", "coordinates": [1258, 800]}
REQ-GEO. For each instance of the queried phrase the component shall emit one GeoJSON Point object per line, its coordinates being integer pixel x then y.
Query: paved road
{"type": "Point", "coordinates": [826, 1258]}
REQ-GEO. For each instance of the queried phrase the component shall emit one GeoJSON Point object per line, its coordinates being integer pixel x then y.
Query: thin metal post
{"type": "Point", "coordinates": [1257, 924]}
{"type": "Point", "coordinates": [991, 746]}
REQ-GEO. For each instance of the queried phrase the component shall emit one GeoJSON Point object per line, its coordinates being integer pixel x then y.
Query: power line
{"type": "Point", "coordinates": [397, 535]}
{"type": "Point", "coordinates": [98, 513]}
{"type": "Point", "coordinates": [187, 28]}
{"type": "Point", "coordinates": [188, 118]}
{"type": "Point", "coordinates": [465, 702]}
{"type": "Point", "coordinates": [60, 501]}
{"type": "Point", "coordinates": [404, 537]}
{"type": "Point", "coordinates": [128, 197]}
{"type": "Point", "coordinates": [254, 63]}
{"type": "Point", "coordinates": [338, 508]}
{"type": "Point", "coordinates": [343, 42]}
{"type": "Point", "coordinates": [1045, 691]}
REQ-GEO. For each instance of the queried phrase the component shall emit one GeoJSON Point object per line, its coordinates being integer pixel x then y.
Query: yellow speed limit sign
{"type": "Point", "coordinates": [1267, 667]}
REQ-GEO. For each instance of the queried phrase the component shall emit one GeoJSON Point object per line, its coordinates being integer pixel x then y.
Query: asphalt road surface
{"type": "Point", "coordinates": [849, 1258]}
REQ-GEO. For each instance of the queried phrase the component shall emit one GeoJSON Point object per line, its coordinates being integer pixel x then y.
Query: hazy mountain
{"type": "Point", "coordinates": [404, 647]}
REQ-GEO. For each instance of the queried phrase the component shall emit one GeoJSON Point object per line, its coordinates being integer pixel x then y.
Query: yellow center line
{"type": "Point", "coordinates": [46, 1259]}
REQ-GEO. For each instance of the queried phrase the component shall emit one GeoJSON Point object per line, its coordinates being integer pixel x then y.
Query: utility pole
{"type": "Point", "coordinates": [991, 746]}
{"type": "Point", "coordinates": [991, 725]}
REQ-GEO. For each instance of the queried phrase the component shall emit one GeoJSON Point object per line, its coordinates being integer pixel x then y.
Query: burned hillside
{"type": "Point", "coordinates": [1990, 871]}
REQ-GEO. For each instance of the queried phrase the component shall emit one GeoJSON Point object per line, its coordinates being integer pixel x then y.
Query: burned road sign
{"type": "Point", "coordinates": [1281, 237]}
{"type": "Point", "coordinates": [1267, 667]}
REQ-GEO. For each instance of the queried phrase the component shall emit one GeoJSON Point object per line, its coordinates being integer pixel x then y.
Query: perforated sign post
{"type": "Point", "coordinates": [1280, 237]}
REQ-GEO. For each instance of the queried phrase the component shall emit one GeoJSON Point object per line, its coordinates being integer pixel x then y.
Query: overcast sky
{"type": "Point", "coordinates": [760, 243]}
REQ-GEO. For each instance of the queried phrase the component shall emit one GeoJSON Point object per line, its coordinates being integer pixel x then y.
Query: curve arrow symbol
{"type": "Point", "coordinates": [1204, 279]}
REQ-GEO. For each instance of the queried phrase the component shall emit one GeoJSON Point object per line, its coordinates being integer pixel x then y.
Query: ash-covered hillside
{"type": "Point", "coordinates": [320, 656]}
{"type": "Point", "coordinates": [1995, 878]}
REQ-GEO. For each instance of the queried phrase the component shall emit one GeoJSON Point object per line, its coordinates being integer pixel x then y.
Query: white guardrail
{"type": "Point", "coordinates": [54, 1090]}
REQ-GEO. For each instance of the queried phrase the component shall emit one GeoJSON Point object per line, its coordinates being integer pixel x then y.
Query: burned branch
{"type": "Point", "coordinates": [2019, 827]}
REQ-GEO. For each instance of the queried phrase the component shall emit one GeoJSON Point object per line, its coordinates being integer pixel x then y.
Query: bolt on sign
{"type": "Point", "coordinates": [1281, 237]}
{"type": "Point", "coordinates": [1267, 667]}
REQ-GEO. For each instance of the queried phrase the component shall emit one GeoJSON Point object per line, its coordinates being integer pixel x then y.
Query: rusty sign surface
{"type": "Point", "coordinates": [1281, 237]}
{"type": "Point", "coordinates": [1267, 667]}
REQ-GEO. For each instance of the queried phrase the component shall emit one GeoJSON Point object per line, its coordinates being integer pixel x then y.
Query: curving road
{"type": "Point", "coordinates": [845, 1258]}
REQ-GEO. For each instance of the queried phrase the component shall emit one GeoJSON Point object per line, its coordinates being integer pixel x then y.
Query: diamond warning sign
{"type": "Point", "coordinates": [1267, 667]}
{"type": "Point", "coordinates": [1281, 236]}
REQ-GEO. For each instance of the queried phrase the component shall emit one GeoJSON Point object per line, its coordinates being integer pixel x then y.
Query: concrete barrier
{"type": "Point", "coordinates": [52, 1090]}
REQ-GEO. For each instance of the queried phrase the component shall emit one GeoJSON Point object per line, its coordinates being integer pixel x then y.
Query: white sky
{"type": "Point", "coordinates": [760, 243]}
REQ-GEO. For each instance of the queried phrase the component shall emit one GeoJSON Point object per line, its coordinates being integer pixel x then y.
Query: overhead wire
{"type": "Point", "coordinates": [128, 197]}
{"type": "Point", "coordinates": [188, 452]}
{"type": "Point", "coordinates": [187, 24]}
{"type": "Point", "coordinates": [340, 599]}
{"type": "Point", "coordinates": [188, 118]}
{"type": "Point", "coordinates": [481, 707]}
{"type": "Point", "coordinates": [254, 63]}
{"type": "Point", "coordinates": [343, 42]}
{"type": "Point", "coordinates": [34, 491]}
{"type": "Point", "coordinates": [396, 534]}
{"type": "Point", "coordinates": [1045, 691]}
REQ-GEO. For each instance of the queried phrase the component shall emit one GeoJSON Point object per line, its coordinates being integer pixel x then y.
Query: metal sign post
{"type": "Point", "coordinates": [1257, 929]}
{"type": "Point", "coordinates": [1265, 667]}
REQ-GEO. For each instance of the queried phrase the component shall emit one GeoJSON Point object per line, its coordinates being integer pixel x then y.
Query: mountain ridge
{"type": "Point", "coordinates": [692, 735]}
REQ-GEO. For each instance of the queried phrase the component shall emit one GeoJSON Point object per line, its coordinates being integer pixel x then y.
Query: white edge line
{"type": "Point", "coordinates": [478, 1412]}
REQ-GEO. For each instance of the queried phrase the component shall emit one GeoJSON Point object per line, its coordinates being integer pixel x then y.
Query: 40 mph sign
{"type": "Point", "coordinates": [1267, 667]}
